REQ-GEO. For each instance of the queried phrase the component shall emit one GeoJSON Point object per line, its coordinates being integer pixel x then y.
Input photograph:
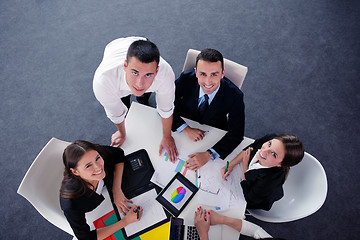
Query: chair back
{"type": "Point", "coordinates": [233, 71]}
{"type": "Point", "coordinates": [305, 191]}
{"type": "Point", "coordinates": [42, 182]}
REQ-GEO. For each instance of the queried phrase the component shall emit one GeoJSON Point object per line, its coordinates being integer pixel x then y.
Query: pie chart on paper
{"type": "Point", "coordinates": [178, 195]}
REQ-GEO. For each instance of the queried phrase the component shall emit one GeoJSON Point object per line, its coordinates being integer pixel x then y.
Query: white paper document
{"type": "Point", "coordinates": [166, 170]}
{"type": "Point", "coordinates": [153, 212]}
{"type": "Point", "coordinates": [211, 185]}
{"type": "Point", "coordinates": [237, 199]}
{"type": "Point", "coordinates": [215, 191]}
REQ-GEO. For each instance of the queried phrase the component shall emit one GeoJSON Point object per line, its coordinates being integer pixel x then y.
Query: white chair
{"type": "Point", "coordinates": [42, 182]}
{"type": "Point", "coordinates": [305, 192]}
{"type": "Point", "coordinates": [41, 187]}
{"type": "Point", "coordinates": [233, 71]}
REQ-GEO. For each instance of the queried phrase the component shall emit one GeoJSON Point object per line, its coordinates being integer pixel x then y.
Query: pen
{"type": "Point", "coordinates": [137, 212]}
{"type": "Point", "coordinates": [227, 166]}
{"type": "Point", "coordinates": [197, 173]}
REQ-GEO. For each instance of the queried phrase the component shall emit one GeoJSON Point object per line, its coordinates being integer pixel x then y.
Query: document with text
{"type": "Point", "coordinates": [153, 212]}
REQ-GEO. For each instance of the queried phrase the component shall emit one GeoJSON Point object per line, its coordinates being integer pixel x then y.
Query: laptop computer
{"type": "Point", "coordinates": [180, 229]}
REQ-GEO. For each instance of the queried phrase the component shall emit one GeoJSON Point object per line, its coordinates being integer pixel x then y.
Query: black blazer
{"type": "Point", "coordinates": [75, 208]}
{"type": "Point", "coordinates": [226, 110]}
{"type": "Point", "coordinates": [262, 187]}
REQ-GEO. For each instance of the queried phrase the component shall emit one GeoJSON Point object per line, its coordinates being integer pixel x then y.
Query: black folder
{"type": "Point", "coordinates": [138, 171]}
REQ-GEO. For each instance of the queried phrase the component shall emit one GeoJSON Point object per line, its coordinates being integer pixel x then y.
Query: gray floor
{"type": "Point", "coordinates": [304, 68]}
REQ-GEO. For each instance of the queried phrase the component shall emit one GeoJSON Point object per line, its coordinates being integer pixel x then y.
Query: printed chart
{"type": "Point", "coordinates": [180, 164]}
{"type": "Point", "coordinates": [165, 170]}
{"type": "Point", "coordinates": [178, 195]}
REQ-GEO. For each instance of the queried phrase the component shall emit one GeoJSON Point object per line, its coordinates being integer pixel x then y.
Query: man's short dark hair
{"type": "Point", "coordinates": [210, 55]}
{"type": "Point", "coordinates": [144, 50]}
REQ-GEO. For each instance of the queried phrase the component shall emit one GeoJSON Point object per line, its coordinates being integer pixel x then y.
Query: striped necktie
{"type": "Point", "coordinates": [204, 105]}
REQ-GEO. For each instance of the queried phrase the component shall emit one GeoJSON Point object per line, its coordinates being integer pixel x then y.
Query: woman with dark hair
{"type": "Point", "coordinates": [266, 163]}
{"type": "Point", "coordinates": [88, 167]}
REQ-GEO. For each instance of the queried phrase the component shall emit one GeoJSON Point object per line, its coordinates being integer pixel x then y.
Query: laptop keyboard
{"type": "Point", "coordinates": [192, 233]}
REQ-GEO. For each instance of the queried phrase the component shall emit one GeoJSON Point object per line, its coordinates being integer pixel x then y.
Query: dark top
{"type": "Point", "coordinates": [262, 187]}
{"type": "Point", "coordinates": [75, 208]}
{"type": "Point", "coordinates": [226, 110]}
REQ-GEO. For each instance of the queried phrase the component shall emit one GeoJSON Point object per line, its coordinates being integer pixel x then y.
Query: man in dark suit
{"type": "Point", "coordinates": [206, 96]}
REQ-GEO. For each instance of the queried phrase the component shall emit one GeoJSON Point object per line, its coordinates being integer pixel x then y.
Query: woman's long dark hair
{"type": "Point", "coordinates": [74, 186]}
{"type": "Point", "coordinates": [294, 151]}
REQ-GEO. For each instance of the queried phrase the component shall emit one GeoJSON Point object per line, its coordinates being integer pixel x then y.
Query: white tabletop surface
{"type": "Point", "coordinates": [144, 130]}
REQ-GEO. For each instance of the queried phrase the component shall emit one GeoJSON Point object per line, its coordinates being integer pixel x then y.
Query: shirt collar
{"type": "Point", "coordinates": [211, 96]}
{"type": "Point", "coordinates": [254, 163]}
{"type": "Point", "coordinates": [123, 82]}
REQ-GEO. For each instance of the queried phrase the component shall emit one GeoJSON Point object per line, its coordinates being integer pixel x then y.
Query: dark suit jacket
{"type": "Point", "coordinates": [75, 208]}
{"type": "Point", "coordinates": [226, 110]}
{"type": "Point", "coordinates": [262, 187]}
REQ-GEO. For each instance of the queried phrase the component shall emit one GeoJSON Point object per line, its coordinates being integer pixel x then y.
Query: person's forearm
{"type": "Point", "coordinates": [105, 232]}
{"type": "Point", "coordinates": [118, 138]}
{"type": "Point", "coordinates": [121, 128]}
{"type": "Point", "coordinates": [118, 172]}
{"type": "Point", "coordinates": [245, 165]}
{"type": "Point", "coordinates": [204, 237]}
{"type": "Point", "coordinates": [166, 124]}
{"type": "Point", "coordinates": [232, 222]}
{"type": "Point", "coordinates": [167, 141]}
{"type": "Point", "coordinates": [245, 168]}
{"type": "Point", "coordinates": [238, 159]}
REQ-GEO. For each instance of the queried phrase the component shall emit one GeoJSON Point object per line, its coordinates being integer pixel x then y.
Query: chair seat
{"type": "Point", "coordinates": [42, 182]}
{"type": "Point", "coordinates": [305, 192]}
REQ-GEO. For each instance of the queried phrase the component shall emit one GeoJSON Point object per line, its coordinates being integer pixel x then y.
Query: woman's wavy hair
{"type": "Point", "coordinates": [73, 186]}
{"type": "Point", "coordinates": [294, 151]}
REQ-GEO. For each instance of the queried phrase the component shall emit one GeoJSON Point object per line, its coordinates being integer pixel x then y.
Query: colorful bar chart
{"type": "Point", "coordinates": [180, 167]}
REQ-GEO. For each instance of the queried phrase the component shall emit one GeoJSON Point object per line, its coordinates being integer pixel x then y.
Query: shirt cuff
{"type": "Point", "coordinates": [216, 154]}
{"type": "Point", "coordinates": [117, 120]}
{"type": "Point", "coordinates": [165, 114]}
{"type": "Point", "coordinates": [181, 128]}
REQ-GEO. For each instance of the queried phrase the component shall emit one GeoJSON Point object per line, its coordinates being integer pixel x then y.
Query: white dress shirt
{"type": "Point", "coordinates": [110, 85]}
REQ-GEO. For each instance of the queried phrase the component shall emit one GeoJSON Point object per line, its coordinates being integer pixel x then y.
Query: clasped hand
{"type": "Point", "coordinates": [202, 222]}
{"type": "Point", "coordinates": [203, 219]}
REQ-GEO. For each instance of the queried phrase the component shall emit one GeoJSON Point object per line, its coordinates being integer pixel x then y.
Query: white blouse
{"type": "Point", "coordinates": [254, 164]}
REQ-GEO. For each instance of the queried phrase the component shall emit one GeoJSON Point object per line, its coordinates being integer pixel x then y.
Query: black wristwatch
{"type": "Point", "coordinates": [212, 154]}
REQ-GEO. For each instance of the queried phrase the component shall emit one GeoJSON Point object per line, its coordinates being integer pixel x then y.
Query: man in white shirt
{"type": "Point", "coordinates": [133, 65]}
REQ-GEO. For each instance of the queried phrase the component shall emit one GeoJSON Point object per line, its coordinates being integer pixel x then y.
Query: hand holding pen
{"type": "Point", "coordinates": [134, 214]}
{"type": "Point", "coordinates": [225, 171]}
{"type": "Point", "coordinates": [137, 210]}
